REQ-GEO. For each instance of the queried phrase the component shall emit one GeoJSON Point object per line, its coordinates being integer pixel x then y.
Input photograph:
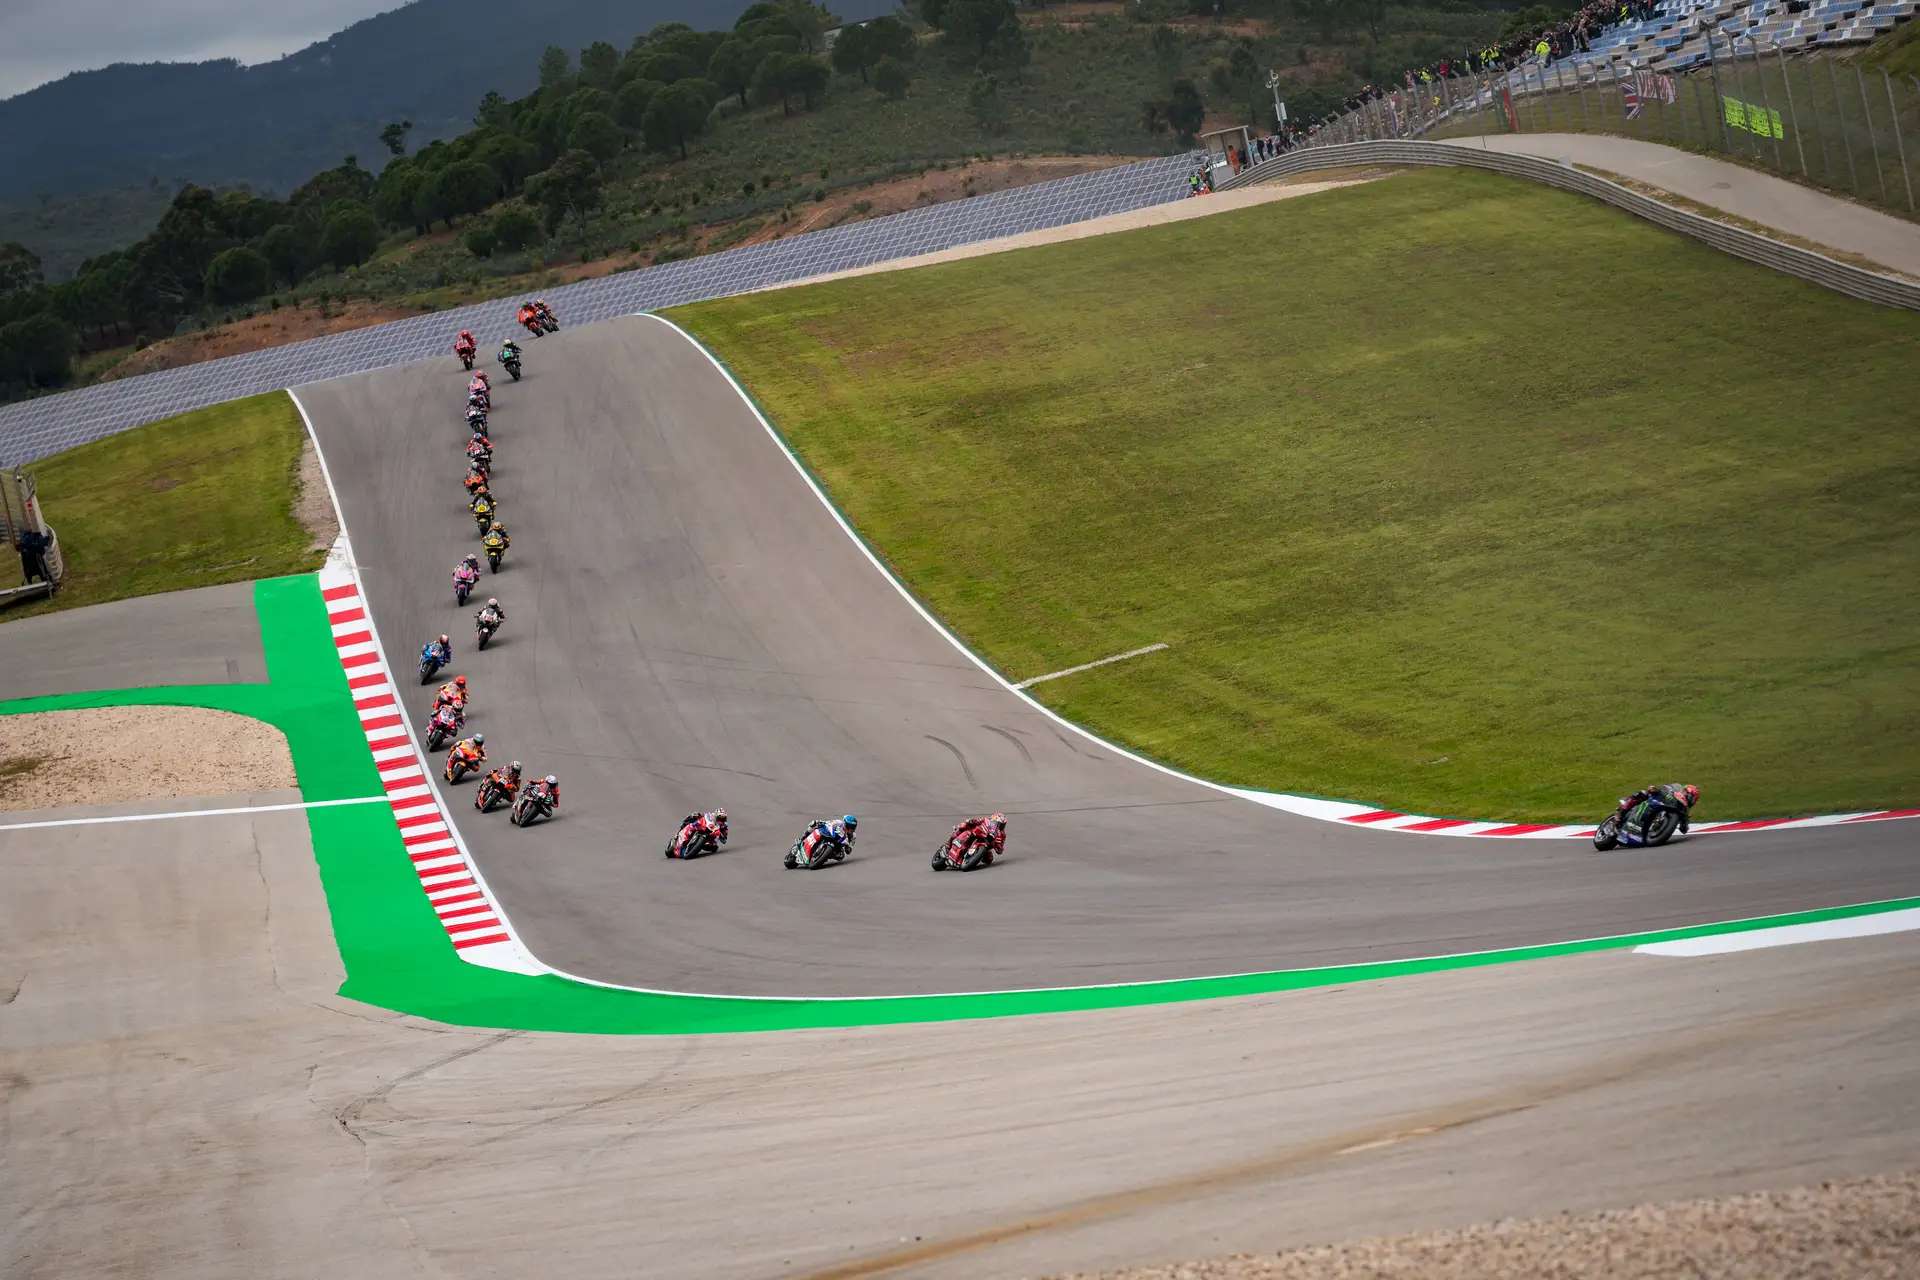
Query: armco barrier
{"type": "Point", "coordinates": [1815, 268]}
{"type": "Point", "coordinates": [35, 428]}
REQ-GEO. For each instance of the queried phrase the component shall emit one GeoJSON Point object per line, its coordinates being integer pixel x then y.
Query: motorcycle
{"type": "Point", "coordinates": [974, 852]}
{"type": "Point", "coordinates": [546, 322]}
{"type": "Point", "coordinates": [479, 399]}
{"type": "Point", "coordinates": [483, 516]}
{"type": "Point", "coordinates": [691, 841]}
{"type": "Point", "coordinates": [466, 355]}
{"type": "Point", "coordinates": [530, 808]}
{"type": "Point", "coordinates": [823, 853]}
{"type": "Point", "coordinates": [445, 726]}
{"type": "Point", "coordinates": [512, 364]}
{"type": "Point", "coordinates": [464, 581]}
{"type": "Point", "coordinates": [490, 794]}
{"type": "Point", "coordinates": [458, 768]}
{"type": "Point", "coordinates": [483, 629]}
{"type": "Point", "coordinates": [1647, 825]}
{"type": "Point", "coordinates": [494, 555]}
{"type": "Point", "coordinates": [429, 668]}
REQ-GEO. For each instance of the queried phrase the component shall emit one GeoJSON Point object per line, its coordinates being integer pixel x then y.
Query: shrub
{"type": "Point", "coordinates": [480, 240]}
{"type": "Point", "coordinates": [515, 227]}
{"type": "Point", "coordinates": [238, 275]}
{"type": "Point", "coordinates": [350, 234]}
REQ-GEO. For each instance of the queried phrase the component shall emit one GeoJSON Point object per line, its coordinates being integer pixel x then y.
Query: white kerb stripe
{"type": "Point", "coordinates": [1787, 935]}
{"type": "Point", "coordinates": [1088, 666]}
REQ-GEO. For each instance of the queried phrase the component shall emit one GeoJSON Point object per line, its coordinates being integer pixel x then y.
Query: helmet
{"type": "Point", "coordinates": [850, 821]}
{"type": "Point", "coordinates": [513, 767]}
{"type": "Point", "coordinates": [999, 820]}
{"type": "Point", "coordinates": [444, 640]}
{"type": "Point", "coordinates": [471, 558]}
{"type": "Point", "coordinates": [495, 528]}
{"type": "Point", "coordinates": [461, 681]}
{"type": "Point", "coordinates": [720, 814]}
{"type": "Point", "coordinates": [479, 739]}
{"type": "Point", "coordinates": [551, 781]}
{"type": "Point", "coordinates": [493, 602]}
{"type": "Point", "coordinates": [1689, 795]}
{"type": "Point", "coordinates": [466, 333]}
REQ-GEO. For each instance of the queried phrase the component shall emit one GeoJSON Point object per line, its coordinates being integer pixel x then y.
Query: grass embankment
{"type": "Point", "coordinates": [1449, 492]}
{"type": "Point", "coordinates": [192, 501]}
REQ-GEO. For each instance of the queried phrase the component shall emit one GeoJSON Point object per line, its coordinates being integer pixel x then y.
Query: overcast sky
{"type": "Point", "coordinates": [42, 40]}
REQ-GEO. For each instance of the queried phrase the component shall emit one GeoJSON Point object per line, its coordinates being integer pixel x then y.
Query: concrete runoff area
{"type": "Point", "coordinates": [1746, 193]}
{"type": "Point", "coordinates": [185, 1098]}
{"type": "Point", "coordinates": [688, 626]}
{"type": "Point", "coordinates": [205, 636]}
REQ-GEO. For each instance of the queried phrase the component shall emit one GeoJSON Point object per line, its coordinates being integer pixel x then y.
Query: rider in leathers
{"type": "Point", "coordinates": [1678, 797]}
{"type": "Point", "coordinates": [713, 822]}
{"type": "Point", "coordinates": [992, 830]}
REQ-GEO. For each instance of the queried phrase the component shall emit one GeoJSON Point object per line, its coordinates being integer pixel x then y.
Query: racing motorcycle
{"type": "Point", "coordinates": [445, 726]}
{"type": "Point", "coordinates": [465, 578]}
{"type": "Point", "coordinates": [512, 364]}
{"type": "Point", "coordinates": [968, 853]}
{"type": "Point", "coordinates": [491, 793]}
{"type": "Point", "coordinates": [484, 627]}
{"type": "Point", "coordinates": [544, 321]}
{"type": "Point", "coordinates": [466, 354]}
{"type": "Point", "coordinates": [458, 768]}
{"type": "Point", "coordinates": [691, 841]}
{"type": "Point", "coordinates": [534, 803]}
{"type": "Point", "coordinates": [430, 665]}
{"type": "Point", "coordinates": [813, 849]}
{"type": "Point", "coordinates": [1646, 825]}
{"type": "Point", "coordinates": [494, 552]}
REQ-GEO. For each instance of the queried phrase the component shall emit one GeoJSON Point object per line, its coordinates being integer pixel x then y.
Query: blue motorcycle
{"type": "Point", "coordinates": [1647, 825]}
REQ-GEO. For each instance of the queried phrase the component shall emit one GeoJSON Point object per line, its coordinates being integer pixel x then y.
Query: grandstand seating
{"type": "Point", "coordinates": [1676, 38]}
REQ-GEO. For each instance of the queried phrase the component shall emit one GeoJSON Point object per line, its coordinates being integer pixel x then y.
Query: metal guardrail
{"type": "Point", "coordinates": [36, 428]}
{"type": "Point", "coordinates": [1815, 268]}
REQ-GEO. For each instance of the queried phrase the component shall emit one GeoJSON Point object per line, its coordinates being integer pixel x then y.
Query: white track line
{"type": "Point", "coordinates": [1088, 666]}
{"type": "Point", "coordinates": [1787, 935]}
{"type": "Point", "coordinates": [191, 813]}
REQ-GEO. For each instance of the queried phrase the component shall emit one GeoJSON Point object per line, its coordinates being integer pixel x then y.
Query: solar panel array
{"type": "Point", "coordinates": [36, 428]}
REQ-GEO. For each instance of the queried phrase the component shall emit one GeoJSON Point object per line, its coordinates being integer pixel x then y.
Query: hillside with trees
{"type": "Point", "coordinates": [689, 141]}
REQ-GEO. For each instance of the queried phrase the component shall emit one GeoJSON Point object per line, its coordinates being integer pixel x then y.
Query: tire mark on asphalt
{"type": "Point", "coordinates": [964, 767]}
{"type": "Point", "coordinates": [1019, 746]}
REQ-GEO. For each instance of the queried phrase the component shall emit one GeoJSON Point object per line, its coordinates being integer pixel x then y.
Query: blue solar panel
{"type": "Point", "coordinates": [37, 428]}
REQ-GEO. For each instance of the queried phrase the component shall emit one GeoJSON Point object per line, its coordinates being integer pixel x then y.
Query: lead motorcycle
{"type": "Point", "coordinates": [964, 852]}
{"type": "Point", "coordinates": [1647, 825]}
{"type": "Point", "coordinates": [534, 803]}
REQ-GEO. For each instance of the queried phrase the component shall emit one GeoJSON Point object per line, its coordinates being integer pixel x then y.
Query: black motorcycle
{"type": "Point", "coordinates": [1647, 825]}
{"type": "Point", "coordinates": [513, 366]}
{"type": "Point", "coordinates": [532, 805]}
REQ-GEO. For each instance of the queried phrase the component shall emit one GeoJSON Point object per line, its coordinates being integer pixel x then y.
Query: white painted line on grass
{"type": "Point", "coordinates": [1088, 666]}
{"type": "Point", "coordinates": [190, 813]}
{"type": "Point", "coordinates": [1787, 935]}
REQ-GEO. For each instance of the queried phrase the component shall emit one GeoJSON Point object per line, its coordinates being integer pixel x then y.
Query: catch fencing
{"type": "Point", "coordinates": [1869, 286]}
{"type": "Point", "coordinates": [36, 428]}
{"type": "Point", "coordinates": [1819, 118]}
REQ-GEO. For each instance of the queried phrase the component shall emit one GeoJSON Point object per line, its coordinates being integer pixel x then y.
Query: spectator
{"type": "Point", "coordinates": [32, 547]}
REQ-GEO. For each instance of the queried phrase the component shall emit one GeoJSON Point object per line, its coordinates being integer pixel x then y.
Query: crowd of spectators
{"type": "Point", "coordinates": [1543, 46]}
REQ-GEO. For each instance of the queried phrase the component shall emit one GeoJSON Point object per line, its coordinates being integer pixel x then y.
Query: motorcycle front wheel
{"type": "Point", "coordinates": [1608, 835]}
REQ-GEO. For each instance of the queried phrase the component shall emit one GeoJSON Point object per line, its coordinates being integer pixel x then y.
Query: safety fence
{"type": "Point", "coordinates": [1824, 119]}
{"type": "Point", "coordinates": [36, 428]}
{"type": "Point", "coordinates": [1815, 268]}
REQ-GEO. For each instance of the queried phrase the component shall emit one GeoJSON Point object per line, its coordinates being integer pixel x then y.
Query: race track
{"type": "Point", "coordinates": [689, 626]}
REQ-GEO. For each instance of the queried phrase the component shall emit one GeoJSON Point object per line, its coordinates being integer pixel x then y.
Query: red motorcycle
{"type": "Point", "coordinates": [967, 849]}
{"type": "Point", "coordinates": [696, 837]}
{"type": "Point", "coordinates": [466, 352]}
{"type": "Point", "coordinates": [448, 720]}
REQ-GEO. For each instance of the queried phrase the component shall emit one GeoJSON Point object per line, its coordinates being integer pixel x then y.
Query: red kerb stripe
{"type": "Point", "coordinates": [1436, 824]}
{"type": "Point", "coordinates": [359, 659]}
{"type": "Point", "coordinates": [1752, 824]}
{"type": "Point", "coordinates": [1520, 829]}
{"type": "Point", "coordinates": [1885, 814]}
{"type": "Point", "coordinates": [355, 614]}
{"type": "Point", "coordinates": [1378, 815]}
{"type": "Point", "coordinates": [366, 681]}
{"type": "Point", "coordinates": [475, 896]}
{"type": "Point", "coordinates": [430, 816]}
{"type": "Point", "coordinates": [461, 944]}
{"type": "Point", "coordinates": [380, 722]}
{"type": "Point", "coordinates": [373, 700]}
{"type": "Point", "coordinates": [340, 593]}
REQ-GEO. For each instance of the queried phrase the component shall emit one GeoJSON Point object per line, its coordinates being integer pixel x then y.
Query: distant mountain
{"type": "Point", "coordinates": [273, 125]}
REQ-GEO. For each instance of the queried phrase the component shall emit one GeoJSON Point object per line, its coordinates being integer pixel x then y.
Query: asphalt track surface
{"type": "Point", "coordinates": [689, 626]}
{"type": "Point", "coordinates": [207, 636]}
